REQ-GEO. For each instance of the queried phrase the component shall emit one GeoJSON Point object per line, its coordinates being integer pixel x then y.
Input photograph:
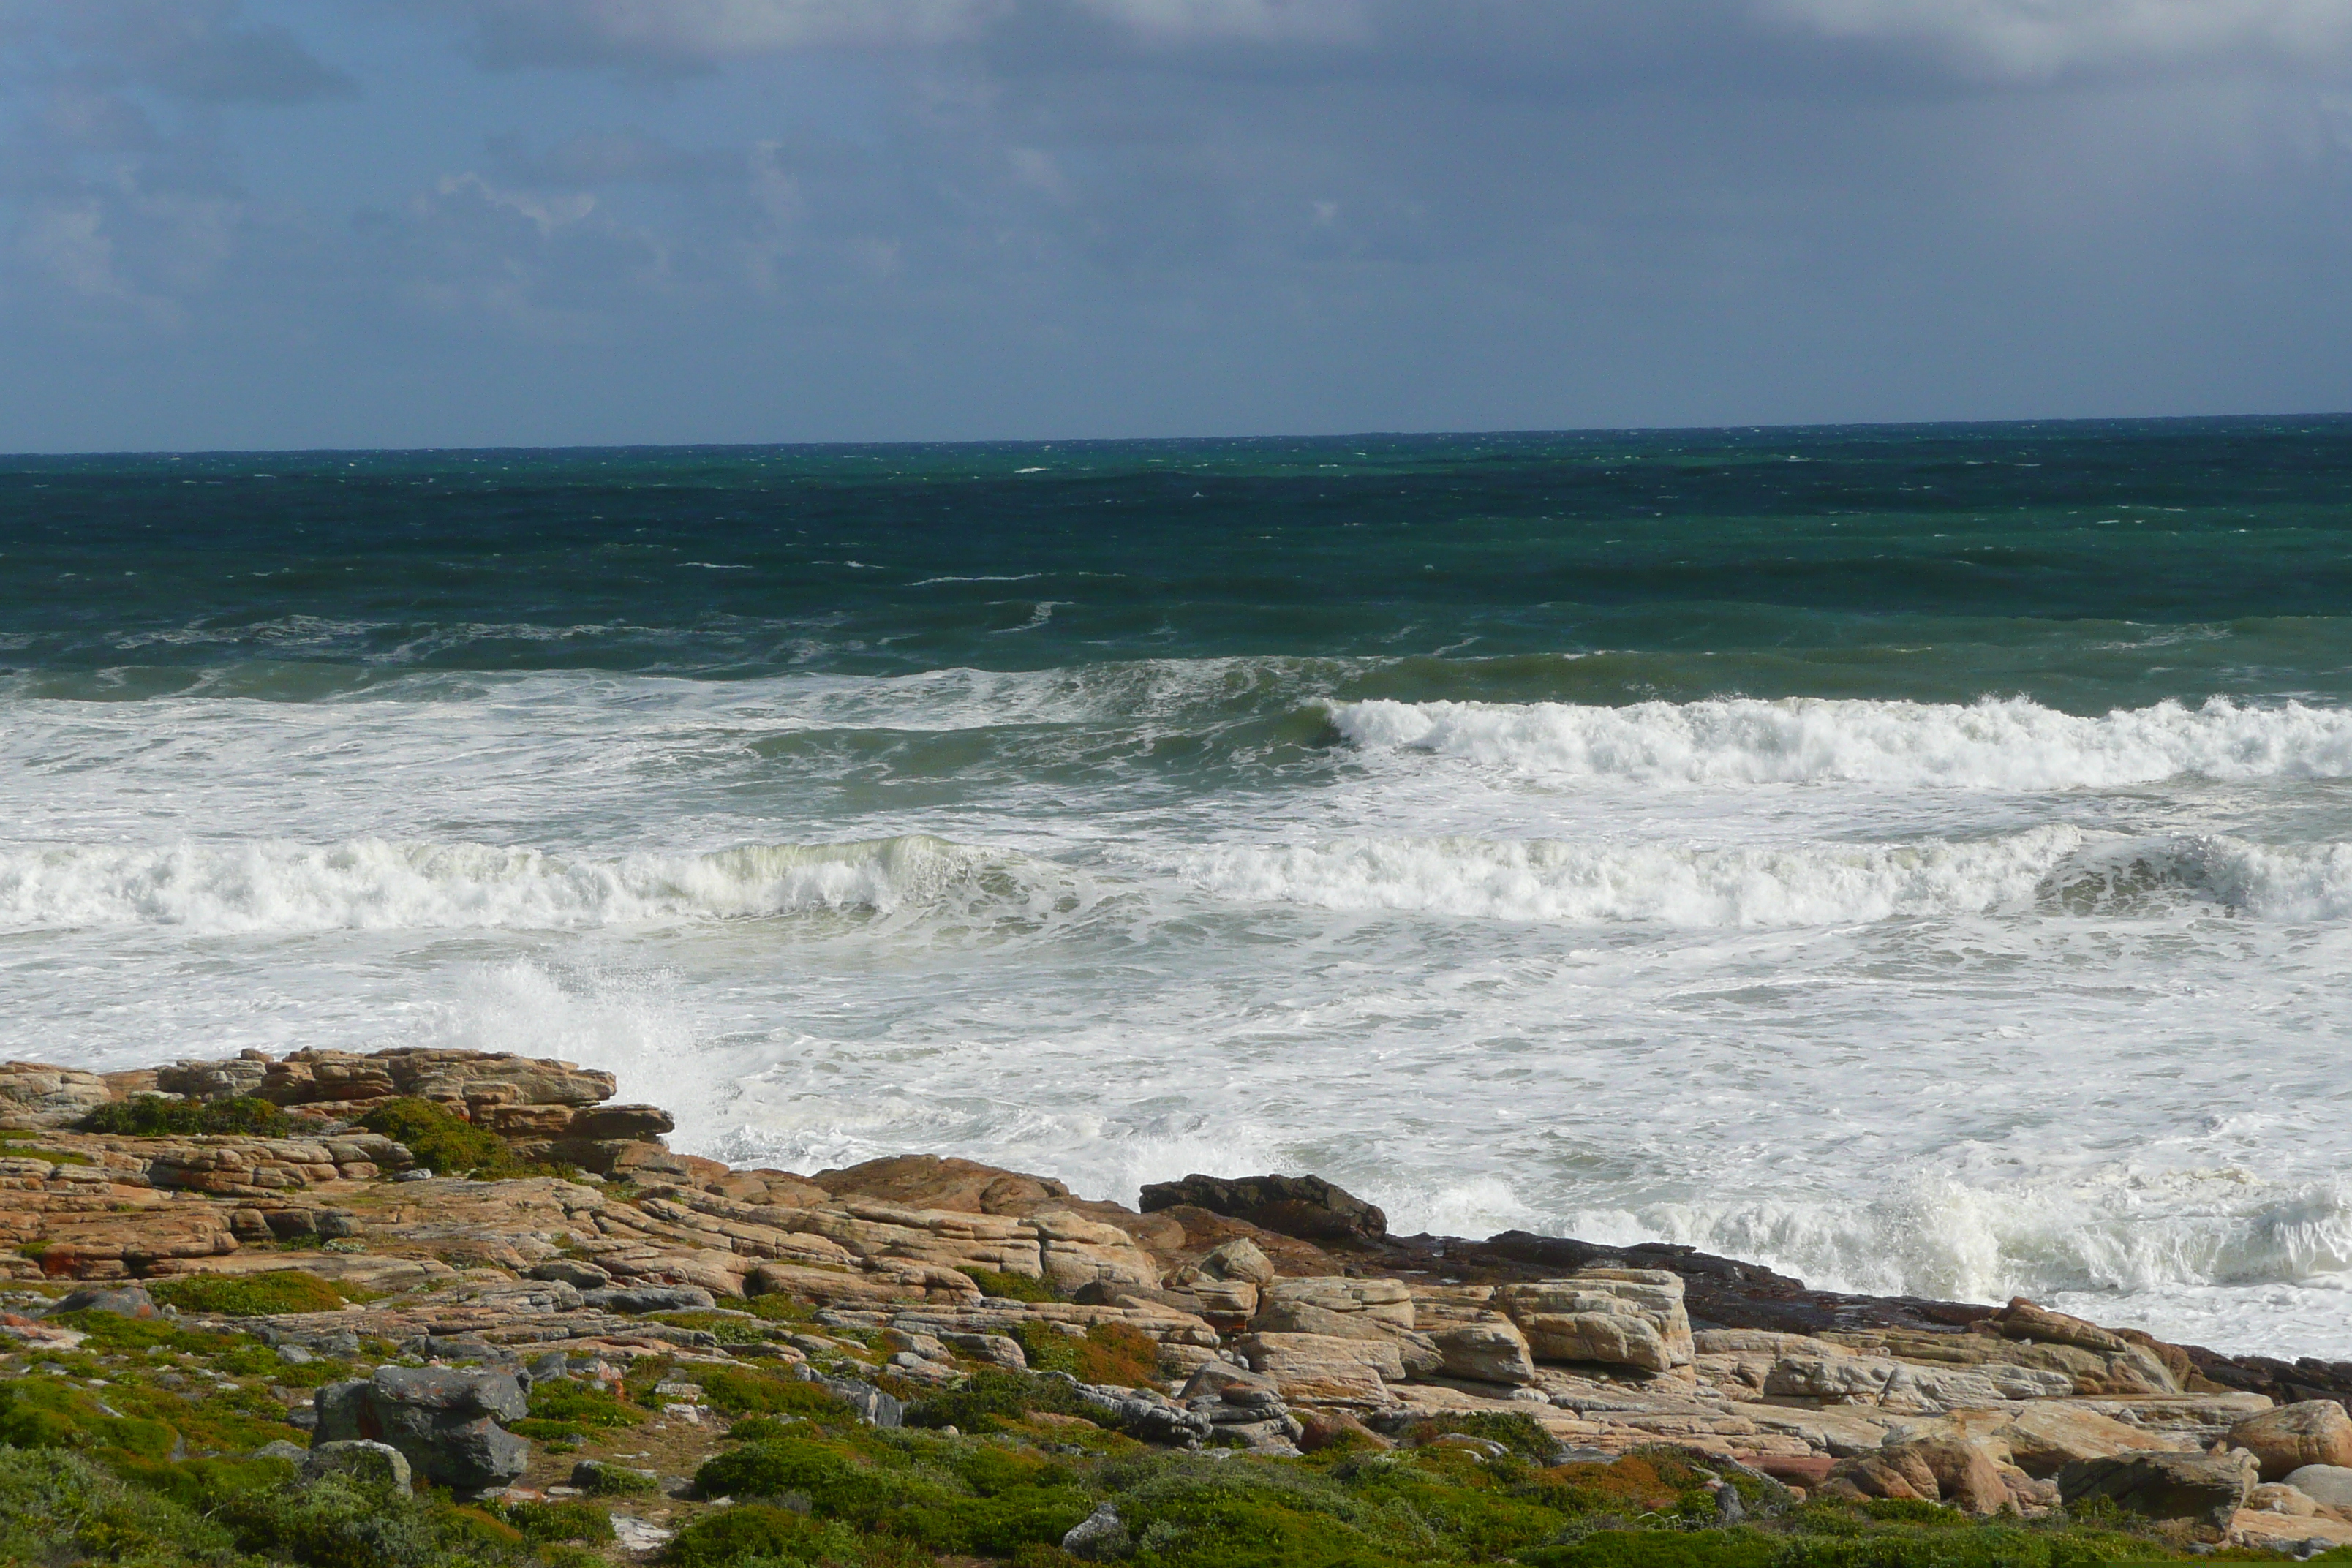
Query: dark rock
{"type": "Point", "coordinates": [2209, 1487]}
{"type": "Point", "coordinates": [444, 1419]}
{"type": "Point", "coordinates": [1307, 1207]}
{"type": "Point", "coordinates": [650, 1299]}
{"type": "Point", "coordinates": [287, 1224]}
{"type": "Point", "coordinates": [338, 1222]}
{"type": "Point", "coordinates": [123, 1300]}
{"type": "Point", "coordinates": [637, 1121]}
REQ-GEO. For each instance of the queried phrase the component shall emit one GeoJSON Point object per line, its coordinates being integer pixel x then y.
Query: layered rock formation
{"type": "Point", "coordinates": [1267, 1309]}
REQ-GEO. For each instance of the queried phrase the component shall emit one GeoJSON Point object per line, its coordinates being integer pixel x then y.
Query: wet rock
{"type": "Point", "coordinates": [1305, 1206]}
{"type": "Point", "coordinates": [2206, 1488]}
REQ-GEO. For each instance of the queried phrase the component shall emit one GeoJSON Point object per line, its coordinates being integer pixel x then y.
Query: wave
{"type": "Point", "coordinates": [2118, 1231]}
{"type": "Point", "coordinates": [1999, 744]}
{"type": "Point", "coordinates": [2056, 870]}
{"type": "Point", "coordinates": [375, 884]}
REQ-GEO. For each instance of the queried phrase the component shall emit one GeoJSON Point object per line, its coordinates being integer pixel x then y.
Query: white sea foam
{"type": "Point", "coordinates": [2054, 869]}
{"type": "Point", "coordinates": [2011, 744]}
{"type": "Point", "coordinates": [374, 884]}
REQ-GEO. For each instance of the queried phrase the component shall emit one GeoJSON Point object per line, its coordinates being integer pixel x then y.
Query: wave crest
{"type": "Point", "coordinates": [2054, 870]}
{"type": "Point", "coordinates": [373, 883]}
{"type": "Point", "coordinates": [1998, 744]}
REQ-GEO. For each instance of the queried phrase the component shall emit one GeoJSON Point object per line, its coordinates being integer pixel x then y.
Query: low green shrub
{"type": "Point", "coordinates": [565, 1521]}
{"type": "Point", "coordinates": [154, 1116]}
{"type": "Point", "coordinates": [562, 1410]}
{"type": "Point", "coordinates": [1518, 1433]}
{"type": "Point", "coordinates": [780, 1538]}
{"type": "Point", "coordinates": [442, 1141]}
{"type": "Point", "coordinates": [1013, 1287]}
{"type": "Point", "coordinates": [734, 1393]}
{"type": "Point", "coordinates": [615, 1480]}
{"type": "Point", "coordinates": [990, 1398]}
{"type": "Point", "coordinates": [249, 1295]}
{"type": "Point", "coordinates": [59, 1508]}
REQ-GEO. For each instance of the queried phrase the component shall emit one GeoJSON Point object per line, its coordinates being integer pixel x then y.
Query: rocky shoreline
{"type": "Point", "coordinates": [558, 1249]}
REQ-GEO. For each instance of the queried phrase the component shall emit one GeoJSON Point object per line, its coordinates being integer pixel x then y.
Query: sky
{"type": "Point", "coordinates": [396, 223]}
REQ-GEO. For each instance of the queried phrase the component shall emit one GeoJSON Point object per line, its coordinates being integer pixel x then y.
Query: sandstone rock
{"type": "Point", "coordinates": [1618, 1317]}
{"type": "Point", "coordinates": [1493, 1350]}
{"type": "Point", "coordinates": [1305, 1206]}
{"type": "Point", "coordinates": [1075, 1251]}
{"type": "Point", "coordinates": [1311, 1369]}
{"type": "Point", "coordinates": [1241, 1260]}
{"type": "Point", "coordinates": [1965, 1475]}
{"type": "Point", "coordinates": [2317, 1432]}
{"type": "Point", "coordinates": [1388, 1301]}
{"type": "Point", "coordinates": [2293, 1535]}
{"type": "Point", "coordinates": [443, 1419]}
{"type": "Point", "coordinates": [573, 1271]}
{"type": "Point", "coordinates": [2330, 1486]}
{"type": "Point", "coordinates": [635, 1121]}
{"type": "Point", "coordinates": [2277, 1496]}
{"type": "Point", "coordinates": [929, 1181]}
{"type": "Point", "coordinates": [34, 1094]}
{"type": "Point", "coordinates": [2043, 1438]}
{"type": "Point", "coordinates": [358, 1457]}
{"type": "Point", "coordinates": [2207, 1488]}
{"type": "Point", "coordinates": [650, 1299]}
{"type": "Point", "coordinates": [1319, 1429]}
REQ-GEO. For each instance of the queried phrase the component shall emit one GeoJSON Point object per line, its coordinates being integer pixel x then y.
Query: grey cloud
{"type": "Point", "coordinates": [201, 51]}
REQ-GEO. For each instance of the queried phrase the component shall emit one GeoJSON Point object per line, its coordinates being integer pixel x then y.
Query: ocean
{"type": "Point", "coordinates": [1920, 858]}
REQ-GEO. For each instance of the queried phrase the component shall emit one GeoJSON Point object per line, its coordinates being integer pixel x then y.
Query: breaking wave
{"type": "Point", "coordinates": [2000, 744]}
{"type": "Point", "coordinates": [2052, 871]}
{"type": "Point", "coordinates": [372, 883]}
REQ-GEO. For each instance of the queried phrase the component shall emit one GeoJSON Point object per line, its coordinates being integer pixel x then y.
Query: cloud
{"type": "Point", "coordinates": [2040, 39]}
{"type": "Point", "coordinates": [199, 51]}
{"type": "Point", "coordinates": [660, 36]}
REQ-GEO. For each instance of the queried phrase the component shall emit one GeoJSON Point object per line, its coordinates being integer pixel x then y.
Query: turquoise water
{"type": "Point", "coordinates": [1918, 856]}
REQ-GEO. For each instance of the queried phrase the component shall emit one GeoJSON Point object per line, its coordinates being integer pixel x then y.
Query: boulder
{"type": "Point", "coordinates": [2277, 1496]}
{"type": "Point", "coordinates": [123, 1300]}
{"type": "Point", "coordinates": [2043, 1438]}
{"type": "Point", "coordinates": [1315, 1369]}
{"type": "Point", "coordinates": [1240, 1260]}
{"type": "Point", "coordinates": [1490, 1351]}
{"type": "Point", "coordinates": [357, 1456]}
{"type": "Point", "coordinates": [1306, 1206]}
{"type": "Point", "coordinates": [2207, 1488]}
{"type": "Point", "coordinates": [34, 1094]}
{"type": "Point", "coordinates": [1953, 1470]}
{"type": "Point", "coordinates": [2315, 1431]}
{"type": "Point", "coordinates": [1619, 1317]}
{"type": "Point", "coordinates": [444, 1419]}
{"type": "Point", "coordinates": [1100, 1537]}
{"type": "Point", "coordinates": [2330, 1486]}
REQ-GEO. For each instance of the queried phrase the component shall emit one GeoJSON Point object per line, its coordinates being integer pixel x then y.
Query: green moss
{"type": "Point", "coordinates": [441, 1139]}
{"type": "Point", "coordinates": [615, 1480]}
{"type": "Point", "coordinates": [1013, 1287]}
{"type": "Point", "coordinates": [780, 1308]}
{"type": "Point", "coordinates": [249, 1295]}
{"type": "Point", "coordinates": [564, 1411]}
{"type": "Point", "coordinates": [154, 1116]}
{"type": "Point", "coordinates": [43, 1412]}
{"type": "Point", "coordinates": [780, 1538]}
{"type": "Point", "coordinates": [1047, 1348]}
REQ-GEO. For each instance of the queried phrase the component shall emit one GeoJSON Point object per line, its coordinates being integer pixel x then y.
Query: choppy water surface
{"type": "Point", "coordinates": [1920, 858]}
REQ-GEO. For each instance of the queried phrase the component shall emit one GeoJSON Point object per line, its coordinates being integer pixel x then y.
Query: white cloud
{"type": "Point", "coordinates": [2038, 39]}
